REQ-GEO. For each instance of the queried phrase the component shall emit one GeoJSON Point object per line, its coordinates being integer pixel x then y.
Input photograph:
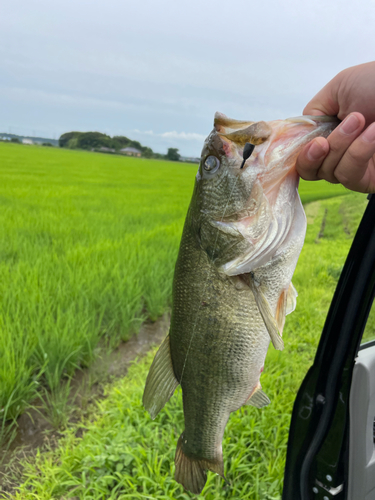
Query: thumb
{"type": "Point", "coordinates": [325, 102]}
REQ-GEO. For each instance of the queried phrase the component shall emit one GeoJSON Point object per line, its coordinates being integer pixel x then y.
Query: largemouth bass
{"type": "Point", "coordinates": [232, 288]}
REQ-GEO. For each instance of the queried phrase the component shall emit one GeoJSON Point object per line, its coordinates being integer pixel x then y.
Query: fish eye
{"type": "Point", "coordinates": [211, 164]}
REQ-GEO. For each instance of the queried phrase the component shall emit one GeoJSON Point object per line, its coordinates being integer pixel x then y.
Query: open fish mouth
{"type": "Point", "coordinates": [272, 164]}
{"type": "Point", "coordinates": [274, 141]}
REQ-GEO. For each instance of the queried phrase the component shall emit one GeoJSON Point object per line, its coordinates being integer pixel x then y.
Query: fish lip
{"type": "Point", "coordinates": [313, 119]}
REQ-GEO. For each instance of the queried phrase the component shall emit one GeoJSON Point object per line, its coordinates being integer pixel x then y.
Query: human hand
{"type": "Point", "coordinates": [347, 156]}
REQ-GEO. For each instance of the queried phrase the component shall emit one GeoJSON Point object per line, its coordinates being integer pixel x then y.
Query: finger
{"type": "Point", "coordinates": [356, 170]}
{"type": "Point", "coordinates": [339, 141]}
{"type": "Point", "coordinates": [311, 157]}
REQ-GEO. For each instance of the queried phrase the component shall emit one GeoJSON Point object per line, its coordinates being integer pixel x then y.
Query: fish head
{"type": "Point", "coordinates": [241, 204]}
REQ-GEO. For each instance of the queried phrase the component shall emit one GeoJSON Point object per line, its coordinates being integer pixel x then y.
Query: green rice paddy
{"type": "Point", "coordinates": [87, 250]}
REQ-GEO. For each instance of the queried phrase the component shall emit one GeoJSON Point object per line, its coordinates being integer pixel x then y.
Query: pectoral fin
{"type": "Point", "coordinates": [291, 299]}
{"type": "Point", "coordinates": [266, 313]}
{"type": "Point", "coordinates": [286, 305]}
{"type": "Point", "coordinates": [281, 311]}
{"type": "Point", "coordinates": [161, 381]}
{"type": "Point", "coordinates": [258, 398]}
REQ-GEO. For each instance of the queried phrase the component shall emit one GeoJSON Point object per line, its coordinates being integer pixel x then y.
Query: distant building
{"type": "Point", "coordinates": [103, 149]}
{"type": "Point", "coordinates": [130, 152]}
{"type": "Point", "coordinates": [190, 159]}
{"type": "Point", "coordinates": [27, 141]}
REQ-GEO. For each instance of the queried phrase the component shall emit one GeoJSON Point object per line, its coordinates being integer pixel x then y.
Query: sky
{"type": "Point", "coordinates": [156, 71]}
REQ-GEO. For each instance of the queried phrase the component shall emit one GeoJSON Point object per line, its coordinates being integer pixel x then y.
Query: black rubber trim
{"type": "Point", "coordinates": [366, 345]}
{"type": "Point", "coordinates": [321, 410]}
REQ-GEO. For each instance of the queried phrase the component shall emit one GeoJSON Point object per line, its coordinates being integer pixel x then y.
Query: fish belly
{"type": "Point", "coordinates": [218, 346]}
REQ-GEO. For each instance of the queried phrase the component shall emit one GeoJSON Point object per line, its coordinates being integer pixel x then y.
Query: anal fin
{"type": "Point", "coordinates": [266, 313]}
{"type": "Point", "coordinates": [258, 398]}
{"type": "Point", "coordinates": [161, 381]}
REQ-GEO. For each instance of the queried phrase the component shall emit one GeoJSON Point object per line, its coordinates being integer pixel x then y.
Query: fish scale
{"type": "Point", "coordinates": [232, 283]}
{"type": "Point", "coordinates": [220, 386]}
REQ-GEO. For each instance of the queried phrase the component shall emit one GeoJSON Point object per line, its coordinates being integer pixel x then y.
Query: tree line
{"type": "Point", "coordinates": [96, 140]}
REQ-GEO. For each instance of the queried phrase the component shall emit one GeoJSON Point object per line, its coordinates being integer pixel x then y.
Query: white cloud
{"type": "Point", "coordinates": [188, 143]}
{"type": "Point", "coordinates": [187, 136]}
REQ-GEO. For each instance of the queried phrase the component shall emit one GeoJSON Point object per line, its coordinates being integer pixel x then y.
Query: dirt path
{"type": "Point", "coordinates": [35, 430]}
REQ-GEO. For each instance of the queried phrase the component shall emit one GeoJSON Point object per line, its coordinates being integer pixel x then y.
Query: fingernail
{"type": "Point", "coordinates": [349, 125]}
{"type": "Point", "coordinates": [315, 151]}
{"type": "Point", "coordinates": [369, 134]}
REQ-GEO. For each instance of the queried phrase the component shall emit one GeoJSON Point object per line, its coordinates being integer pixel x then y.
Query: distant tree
{"type": "Point", "coordinates": [97, 140]}
{"type": "Point", "coordinates": [47, 144]}
{"type": "Point", "coordinates": [90, 140]}
{"type": "Point", "coordinates": [173, 154]}
{"type": "Point", "coordinates": [72, 143]}
{"type": "Point", "coordinates": [147, 152]}
{"type": "Point", "coordinates": [121, 141]}
{"type": "Point", "coordinates": [159, 156]}
{"type": "Point", "coordinates": [64, 139]}
{"type": "Point", "coordinates": [16, 140]}
{"type": "Point", "coordinates": [136, 144]}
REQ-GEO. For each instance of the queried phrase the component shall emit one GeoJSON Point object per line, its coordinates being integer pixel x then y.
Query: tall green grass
{"type": "Point", "coordinates": [87, 250]}
{"type": "Point", "coordinates": [125, 455]}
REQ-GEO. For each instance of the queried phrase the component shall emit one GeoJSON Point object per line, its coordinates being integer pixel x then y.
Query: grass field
{"type": "Point", "coordinates": [87, 251]}
{"type": "Point", "coordinates": [123, 454]}
{"type": "Point", "coordinates": [87, 248]}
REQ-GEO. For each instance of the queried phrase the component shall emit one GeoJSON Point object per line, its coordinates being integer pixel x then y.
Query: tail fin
{"type": "Point", "coordinates": [191, 472]}
{"type": "Point", "coordinates": [161, 381]}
